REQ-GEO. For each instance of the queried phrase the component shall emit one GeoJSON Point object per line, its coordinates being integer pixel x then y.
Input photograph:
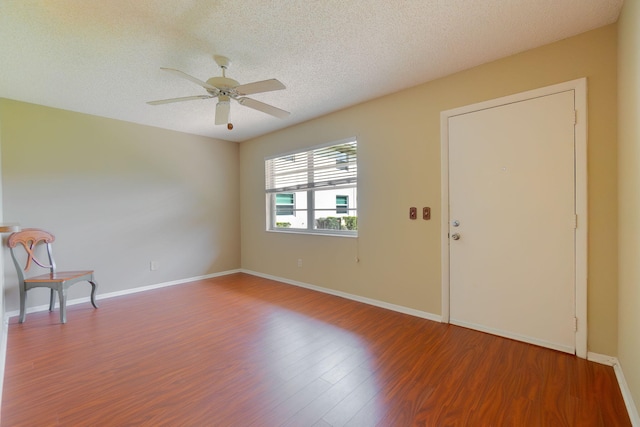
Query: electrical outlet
{"type": "Point", "coordinates": [299, 262]}
{"type": "Point", "coordinates": [153, 265]}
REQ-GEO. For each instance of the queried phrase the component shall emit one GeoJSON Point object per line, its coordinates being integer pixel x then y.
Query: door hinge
{"type": "Point", "coordinates": [574, 222]}
{"type": "Point", "coordinates": [575, 324]}
{"type": "Point", "coordinates": [575, 117]}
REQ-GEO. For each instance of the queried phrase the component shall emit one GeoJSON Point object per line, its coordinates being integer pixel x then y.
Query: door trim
{"type": "Point", "coordinates": [579, 87]}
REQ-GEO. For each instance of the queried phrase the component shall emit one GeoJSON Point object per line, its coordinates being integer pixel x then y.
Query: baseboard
{"type": "Point", "coordinates": [3, 352]}
{"type": "Point", "coordinates": [376, 303]}
{"type": "Point", "coordinates": [99, 297]}
{"type": "Point", "coordinates": [602, 359]}
{"type": "Point", "coordinates": [622, 382]}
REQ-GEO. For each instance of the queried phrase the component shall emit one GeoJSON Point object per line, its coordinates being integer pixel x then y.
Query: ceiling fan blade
{"type": "Point", "coordinates": [265, 108]}
{"type": "Point", "coordinates": [188, 77]}
{"type": "Point", "coordinates": [184, 98]}
{"type": "Point", "coordinates": [258, 87]}
{"type": "Point", "coordinates": [222, 112]}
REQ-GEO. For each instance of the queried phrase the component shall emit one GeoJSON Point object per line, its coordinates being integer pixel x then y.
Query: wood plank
{"type": "Point", "coordinates": [243, 350]}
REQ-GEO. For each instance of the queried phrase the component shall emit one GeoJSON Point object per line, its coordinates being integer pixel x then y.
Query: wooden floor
{"type": "Point", "coordinates": [244, 351]}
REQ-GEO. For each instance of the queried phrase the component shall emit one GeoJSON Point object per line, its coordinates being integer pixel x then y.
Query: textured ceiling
{"type": "Point", "coordinates": [103, 57]}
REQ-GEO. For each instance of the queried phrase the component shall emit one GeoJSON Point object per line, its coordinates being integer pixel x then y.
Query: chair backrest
{"type": "Point", "coordinates": [30, 238]}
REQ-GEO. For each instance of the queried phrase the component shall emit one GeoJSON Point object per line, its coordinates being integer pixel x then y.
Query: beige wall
{"type": "Point", "coordinates": [399, 167]}
{"type": "Point", "coordinates": [118, 195]}
{"type": "Point", "coordinates": [629, 196]}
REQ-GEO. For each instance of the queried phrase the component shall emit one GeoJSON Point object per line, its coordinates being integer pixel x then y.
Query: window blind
{"type": "Point", "coordinates": [324, 167]}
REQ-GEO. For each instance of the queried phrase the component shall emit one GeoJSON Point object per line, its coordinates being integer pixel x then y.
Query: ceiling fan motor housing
{"type": "Point", "coordinates": [222, 83]}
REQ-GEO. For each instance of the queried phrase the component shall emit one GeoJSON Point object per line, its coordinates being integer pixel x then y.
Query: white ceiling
{"type": "Point", "coordinates": [103, 57]}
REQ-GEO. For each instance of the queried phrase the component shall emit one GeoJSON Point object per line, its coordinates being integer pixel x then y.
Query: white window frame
{"type": "Point", "coordinates": [349, 181]}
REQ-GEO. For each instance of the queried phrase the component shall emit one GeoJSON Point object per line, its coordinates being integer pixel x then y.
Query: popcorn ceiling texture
{"type": "Point", "coordinates": [104, 58]}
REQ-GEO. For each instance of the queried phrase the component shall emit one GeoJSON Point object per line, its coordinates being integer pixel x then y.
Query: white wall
{"type": "Point", "coordinates": [629, 195]}
{"type": "Point", "coordinates": [117, 196]}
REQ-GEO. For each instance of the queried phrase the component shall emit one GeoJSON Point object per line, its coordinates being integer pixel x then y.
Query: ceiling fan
{"type": "Point", "coordinates": [226, 89]}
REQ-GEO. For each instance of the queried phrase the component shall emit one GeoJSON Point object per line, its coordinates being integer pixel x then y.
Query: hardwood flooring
{"type": "Point", "coordinates": [240, 350]}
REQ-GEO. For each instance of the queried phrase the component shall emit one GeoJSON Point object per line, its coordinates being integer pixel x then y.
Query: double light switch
{"type": "Point", "coordinates": [426, 213]}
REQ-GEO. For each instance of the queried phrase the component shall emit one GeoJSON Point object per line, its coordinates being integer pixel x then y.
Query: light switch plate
{"type": "Point", "coordinates": [426, 213]}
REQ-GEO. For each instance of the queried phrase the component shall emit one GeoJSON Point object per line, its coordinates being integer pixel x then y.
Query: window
{"type": "Point", "coordinates": [342, 204]}
{"type": "Point", "coordinates": [314, 191]}
{"type": "Point", "coordinates": [285, 204]}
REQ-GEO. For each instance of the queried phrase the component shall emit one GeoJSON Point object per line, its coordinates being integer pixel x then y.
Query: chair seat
{"type": "Point", "coordinates": [58, 276]}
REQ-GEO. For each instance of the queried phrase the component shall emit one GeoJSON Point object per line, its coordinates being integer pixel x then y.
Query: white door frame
{"type": "Point", "coordinates": [579, 87]}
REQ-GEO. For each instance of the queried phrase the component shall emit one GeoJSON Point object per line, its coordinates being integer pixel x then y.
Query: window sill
{"type": "Point", "coordinates": [350, 234]}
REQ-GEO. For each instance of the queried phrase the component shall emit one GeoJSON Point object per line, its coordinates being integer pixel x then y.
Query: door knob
{"type": "Point", "coordinates": [455, 223]}
{"type": "Point", "coordinates": [455, 236]}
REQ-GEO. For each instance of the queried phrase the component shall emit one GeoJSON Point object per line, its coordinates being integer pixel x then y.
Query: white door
{"type": "Point", "coordinates": [512, 205]}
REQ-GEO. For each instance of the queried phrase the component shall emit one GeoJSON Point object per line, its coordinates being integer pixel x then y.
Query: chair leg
{"type": "Point", "coordinates": [23, 303]}
{"type": "Point", "coordinates": [62, 293]}
{"type": "Point", "coordinates": [94, 287]}
{"type": "Point", "coordinates": [52, 300]}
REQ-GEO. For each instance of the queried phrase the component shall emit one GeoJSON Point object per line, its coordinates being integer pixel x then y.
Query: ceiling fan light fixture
{"type": "Point", "coordinates": [222, 111]}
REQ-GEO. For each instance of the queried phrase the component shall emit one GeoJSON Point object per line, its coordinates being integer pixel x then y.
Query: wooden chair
{"type": "Point", "coordinates": [57, 281]}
